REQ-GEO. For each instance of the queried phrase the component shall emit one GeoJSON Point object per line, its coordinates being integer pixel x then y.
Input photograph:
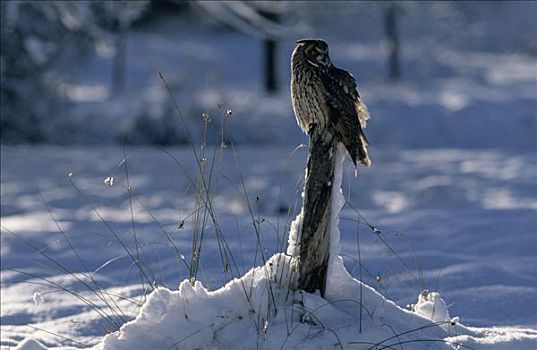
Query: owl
{"type": "Point", "coordinates": [326, 96]}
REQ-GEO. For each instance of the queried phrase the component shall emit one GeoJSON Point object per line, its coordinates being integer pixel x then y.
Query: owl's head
{"type": "Point", "coordinates": [315, 52]}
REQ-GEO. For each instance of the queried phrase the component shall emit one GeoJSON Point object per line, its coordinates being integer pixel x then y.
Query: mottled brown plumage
{"type": "Point", "coordinates": [326, 96]}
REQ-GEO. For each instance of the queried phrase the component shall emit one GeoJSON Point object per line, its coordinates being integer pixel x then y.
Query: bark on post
{"type": "Point", "coordinates": [315, 230]}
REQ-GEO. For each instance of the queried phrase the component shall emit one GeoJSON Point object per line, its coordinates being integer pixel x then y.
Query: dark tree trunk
{"type": "Point", "coordinates": [270, 48]}
{"type": "Point", "coordinates": [119, 70]}
{"type": "Point", "coordinates": [270, 52]}
{"type": "Point", "coordinates": [315, 230]}
{"type": "Point", "coordinates": [390, 18]}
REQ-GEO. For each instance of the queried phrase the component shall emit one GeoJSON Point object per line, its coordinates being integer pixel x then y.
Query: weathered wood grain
{"type": "Point", "coordinates": [315, 230]}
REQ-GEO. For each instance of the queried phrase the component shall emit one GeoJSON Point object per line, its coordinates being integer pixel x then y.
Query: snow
{"type": "Point", "coordinates": [498, 338]}
{"type": "Point", "coordinates": [437, 239]}
{"type": "Point", "coordinates": [193, 317]}
{"type": "Point", "coordinates": [338, 202]}
{"type": "Point", "coordinates": [292, 242]}
{"type": "Point", "coordinates": [30, 344]}
{"type": "Point", "coordinates": [433, 307]}
{"type": "Point", "coordinates": [259, 310]}
{"type": "Point", "coordinates": [459, 257]}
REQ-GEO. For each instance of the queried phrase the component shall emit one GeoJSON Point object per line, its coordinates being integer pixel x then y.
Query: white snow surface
{"type": "Point", "coordinates": [245, 311]}
{"type": "Point", "coordinates": [431, 305]}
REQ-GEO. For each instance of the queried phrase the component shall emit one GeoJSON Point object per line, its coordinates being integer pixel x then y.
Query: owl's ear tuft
{"type": "Point", "coordinates": [310, 40]}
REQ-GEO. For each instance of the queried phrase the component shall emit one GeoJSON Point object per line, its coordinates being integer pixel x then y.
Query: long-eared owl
{"type": "Point", "coordinates": [326, 96]}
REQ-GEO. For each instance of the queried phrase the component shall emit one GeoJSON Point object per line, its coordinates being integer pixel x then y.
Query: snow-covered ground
{"type": "Point", "coordinates": [449, 205]}
{"type": "Point", "coordinates": [457, 221]}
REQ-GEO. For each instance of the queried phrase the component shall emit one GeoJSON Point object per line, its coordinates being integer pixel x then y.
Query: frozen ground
{"type": "Point", "coordinates": [452, 189]}
{"type": "Point", "coordinates": [465, 221]}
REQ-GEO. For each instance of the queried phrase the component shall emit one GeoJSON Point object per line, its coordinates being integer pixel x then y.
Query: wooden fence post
{"type": "Point", "coordinates": [315, 230]}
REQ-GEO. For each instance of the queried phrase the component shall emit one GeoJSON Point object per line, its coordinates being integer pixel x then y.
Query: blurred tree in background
{"type": "Point", "coordinates": [271, 21]}
{"type": "Point", "coordinates": [39, 34]}
{"type": "Point", "coordinates": [71, 69]}
{"type": "Point", "coordinates": [392, 36]}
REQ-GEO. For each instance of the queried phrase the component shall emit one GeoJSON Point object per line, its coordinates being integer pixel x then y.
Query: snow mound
{"type": "Point", "coordinates": [259, 310]}
{"type": "Point", "coordinates": [241, 312]}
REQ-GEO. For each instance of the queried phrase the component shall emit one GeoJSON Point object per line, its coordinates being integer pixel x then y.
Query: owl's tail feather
{"type": "Point", "coordinates": [359, 153]}
{"type": "Point", "coordinates": [362, 152]}
{"type": "Point", "coordinates": [363, 158]}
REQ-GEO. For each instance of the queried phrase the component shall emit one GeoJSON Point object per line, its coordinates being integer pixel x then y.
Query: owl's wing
{"type": "Point", "coordinates": [348, 113]}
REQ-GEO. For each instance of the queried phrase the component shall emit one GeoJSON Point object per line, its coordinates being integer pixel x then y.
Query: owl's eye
{"type": "Point", "coordinates": [309, 51]}
{"type": "Point", "coordinates": [317, 55]}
